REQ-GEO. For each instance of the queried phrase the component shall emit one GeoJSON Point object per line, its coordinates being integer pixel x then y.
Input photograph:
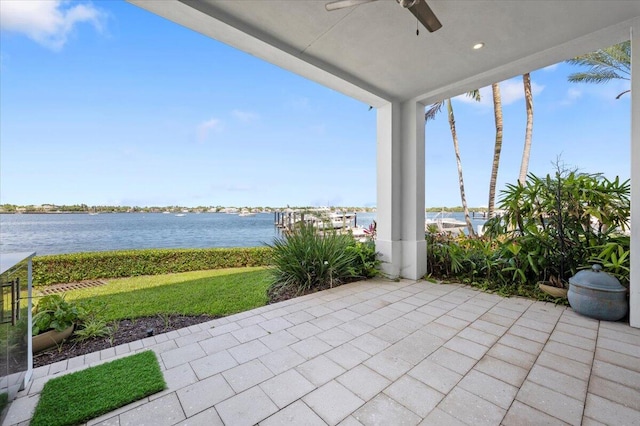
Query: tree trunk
{"type": "Point", "coordinates": [456, 148]}
{"type": "Point", "coordinates": [524, 166]}
{"type": "Point", "coordinates": [497, 108]}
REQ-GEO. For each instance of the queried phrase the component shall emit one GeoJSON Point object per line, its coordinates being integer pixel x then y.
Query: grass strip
{"type": "Point", "coordinates": [75, 398]}
{"type": "Point", "coordinates": [215, 292]}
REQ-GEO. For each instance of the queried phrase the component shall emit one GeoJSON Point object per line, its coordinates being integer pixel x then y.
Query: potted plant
{"type": "Point", "coordinates": [53, 321]}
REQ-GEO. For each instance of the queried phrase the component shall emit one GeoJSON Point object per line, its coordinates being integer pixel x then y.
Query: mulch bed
{"type": "Point", "coordinates": [126, 331]}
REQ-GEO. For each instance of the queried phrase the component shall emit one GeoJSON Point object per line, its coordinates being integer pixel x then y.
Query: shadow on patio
{"type": "Point", "coordinates": [388, 353]}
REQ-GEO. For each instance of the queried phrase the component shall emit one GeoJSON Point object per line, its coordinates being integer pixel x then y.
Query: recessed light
{"type": "Point", "coordinates": [478, 46]}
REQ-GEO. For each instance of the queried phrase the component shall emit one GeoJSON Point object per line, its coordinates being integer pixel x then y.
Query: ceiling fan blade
{"type": "Point", "coordinates": [425, 15]}
{"type": "Point", "coordinates": [341, 4]}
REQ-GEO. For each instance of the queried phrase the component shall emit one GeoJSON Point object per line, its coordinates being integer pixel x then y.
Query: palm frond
{"type": "Point", "coordinates": [603, 65]}
{"type": "Point", "coordinates": [433, 110]}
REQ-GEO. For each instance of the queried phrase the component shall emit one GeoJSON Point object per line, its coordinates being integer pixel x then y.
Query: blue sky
{"type": "Point", "coordinates": [105, 103]}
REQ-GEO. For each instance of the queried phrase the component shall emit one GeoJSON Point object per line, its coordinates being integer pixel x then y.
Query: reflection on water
{"type": "Point", "coordinates": [71, 233]}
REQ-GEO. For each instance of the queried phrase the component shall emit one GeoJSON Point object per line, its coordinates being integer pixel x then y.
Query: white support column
{"type": "Point", "coordinates": [634, 315]}
{"type": "Point", "coordinates": [400, 187]}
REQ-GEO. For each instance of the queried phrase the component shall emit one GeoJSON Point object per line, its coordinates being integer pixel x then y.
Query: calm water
{"type": "Point", "coordinates": [70, 233]}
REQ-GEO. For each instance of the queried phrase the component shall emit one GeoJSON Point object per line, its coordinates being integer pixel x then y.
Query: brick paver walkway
{"type": "Point", "coordinates": [384, 353]}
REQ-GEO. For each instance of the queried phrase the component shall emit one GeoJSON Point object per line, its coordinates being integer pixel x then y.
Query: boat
{"type": "Point", "coordinates": [246, 213]}
{"type": "Point", "coordinates": [335, 221]}
{"type": "Point", "coordinates": [445, 224]}
{"type": "Point", "coordinates": [180, 215]}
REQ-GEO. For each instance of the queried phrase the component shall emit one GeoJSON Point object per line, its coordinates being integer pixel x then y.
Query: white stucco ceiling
{"type": "Point", "coordinates": [371, 51]}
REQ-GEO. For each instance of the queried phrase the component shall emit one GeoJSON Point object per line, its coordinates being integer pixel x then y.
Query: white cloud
{"type": "Point", "coordinates": [571, 97]}
{"type": "Point", "coordinates": [244, 116]}
{"type": "Point", "coordinates": [48, 22]}
{"type": "Point", "coordinates": [206, 127]}
{"type": "Point", "coordinates": [510, 92]}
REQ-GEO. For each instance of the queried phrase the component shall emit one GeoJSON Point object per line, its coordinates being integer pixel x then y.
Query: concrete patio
{"type": "Point", "coordinates": [387, 353]}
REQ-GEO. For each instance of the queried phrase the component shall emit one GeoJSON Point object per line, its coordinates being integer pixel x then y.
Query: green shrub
{"type": "Point", "coordinates": [66, 268]}
{"type": "Point", "coordinates": [307, 260]}
{"type": "Point", "coordinates": [54, 313]}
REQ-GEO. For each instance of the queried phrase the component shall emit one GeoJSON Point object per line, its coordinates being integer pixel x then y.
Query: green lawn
{"type": "Point", "coordinates": [74, 398]}
{"type": "Point", "coordinates": [215, 292]}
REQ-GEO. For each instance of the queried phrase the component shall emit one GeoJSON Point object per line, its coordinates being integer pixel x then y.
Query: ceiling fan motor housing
{"type": "Point", "coordinates": [407, 3]}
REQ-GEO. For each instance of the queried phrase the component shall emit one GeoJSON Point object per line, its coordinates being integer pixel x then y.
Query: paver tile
{"type": "Point", "coordinates": [298, 317]}
{"type": "Point", "coordinates": [275, 324]}
{"type": "Point", "coordinates": [278, 340]}
{"type": "Point", "coordinates": [466, 347]}
{"type": "Point", "coordinates": [439, 330]}
{"type": "Point", "coordinates": [471, 409]}
{"type": "Point", "coordinates": [617, 374]}
{"type": "Point", "coordinates": [512, 355]}
{"type": "Point", "coordinates": [571, 352]}
{"type": "Point", "coordinates": [573, 340]}
{"type": "Point", "coordinates": [617, 346]}
{"type": "Point", "coordinates": [246, 408]}
{"type": "Point", "coordinates": [311, 347]}
{"type": "Point", "coordinates": [439, 417]}
{"type": "Point", "coordinates": [388, 364]}
{"type": "Point", "coordinates": [213, 364]}
{"type": "Point", "coordinates": [182, 355]}
{"type": "Point", "coordinates": [528, 333]}
{"type": "Point", "coordinates": [453, 360]}
{"type": "Point", "coordinates": [478, 336]}
{"type": "Point", "coordinates": [356, 327]}
{"type": "Point", "coordinates": [559, 382]}
{"type": "Point", "coordinates": [335, 337]}
{"type": "Point", "coordinates": [326, 322]}
{"type": "Point", "coordinates": [415, 395]}
{"type": "Point", "coordinates": [564, 365]}
{"type": "Point", "coordinates": [246, 375]}
{"type": "Point", "coordinates": [281, 360]}
{"type": "Point", "coordinates": [159, 412]}
{"type": "Point", "coordinates": [304, 330]}
{"type": "Point", "coordinates": [551, 402]}
{"type": "Point", "coordinates": [389, 334]}
{"type": "Point", "coordinates": [21, 409]}
{"type": "Point", "coordinates": [522, 344]}
{"type": "Point", "coordinates": [248, 351]}
{"type": "Point", "coordinates": [363, 381]}
{"type": "Point", "coordinates": [502, 370]}
{"type": "Point", "coordinates": [320, 370]}
{"type": "Point", "coordinates": [383, 410]}
{"type": "Point", "coordinates": [587, 333]}
{"type": "Point", "coordinates": [370, 344]}
{"type": "Point", "coordinates": [438, 377]}
{"type": "Point", "coordinates": [285, 388]}
{"type": "Point", "coordinates": [489, 388]}
{"type": "Point", "coordinates": [520, 414]}
{"type": "Point", "coordinates": [249, 333]}
{"type": "Point", "coordinates": [629, 397]}
{"type": "Point", "coordinates": [204, 394]}
{"type": "Point", "coordinates": [604, 410]}
{"type": "Point", "coordinates": [205, 418]}
{"type": "Point", "coordinates": [179, 377]}
{"type": "Point", "coordinates": [295, 414]}
{"type": "Point", "coordinates": [333, 402]}
{"type": "Point", "coordinates": [218, 343]}
{"type": "Point", "coordinates": [453, 322]}
{"type": "Point", "coordinates": [347, 356]}
{"type": "Point", "coordinates": [616, 358]}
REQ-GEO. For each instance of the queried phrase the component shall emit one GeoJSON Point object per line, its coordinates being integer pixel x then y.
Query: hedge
{"type": "Point", "coordinates": [67, 268]}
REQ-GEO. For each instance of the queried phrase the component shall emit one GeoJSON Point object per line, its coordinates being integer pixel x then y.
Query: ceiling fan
{"type": "Point", "coordinates": [419, 8]}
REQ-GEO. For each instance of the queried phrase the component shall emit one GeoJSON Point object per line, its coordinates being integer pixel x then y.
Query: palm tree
{"type": "Point", "coordinates": [604, 65]}
{"type": "Point", "coordinates": [526, 152]}
{"type": "Point", "coordinates": [430, 115]}
{"type": "Point", "coordinates": [497, 111]}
